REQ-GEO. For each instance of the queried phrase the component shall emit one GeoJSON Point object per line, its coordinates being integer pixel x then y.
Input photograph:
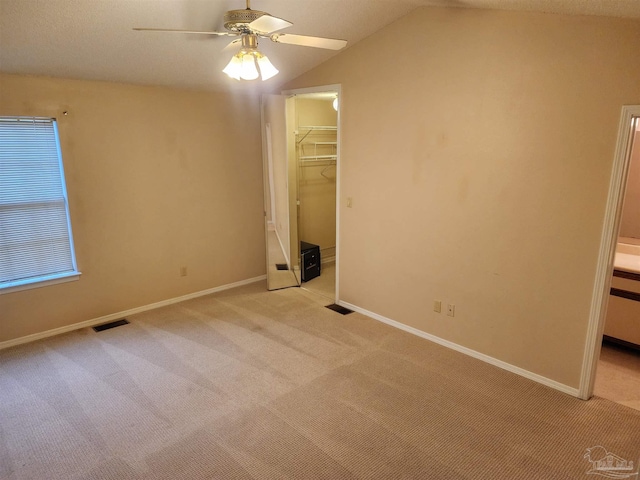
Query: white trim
{"type": "Point", "coordinates": [132, 311]}
{"type": "Point", "coordinates": [467, 351]}
{"type": "Point", "coordinates": [336, 87]}
{"type": "Point", "coordinates": [40, 282]}
{"type": "Point", "coordinates": [602, 283]}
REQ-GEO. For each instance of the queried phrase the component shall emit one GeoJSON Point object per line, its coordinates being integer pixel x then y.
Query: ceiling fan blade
{"type": "Point", "coordinates": [267, 24]}
{"type": "Point", "coordinates": [169, 30]}
{"type": "Point", "coordinates": [303, 40]}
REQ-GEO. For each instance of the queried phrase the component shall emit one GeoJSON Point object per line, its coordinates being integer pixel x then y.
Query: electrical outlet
{"type": "Point", "coordinates": [183, 271]}
{"type": "Point", "coordinates": [437, 306]}
{"type": "Point", "coordinates": [451, 310]}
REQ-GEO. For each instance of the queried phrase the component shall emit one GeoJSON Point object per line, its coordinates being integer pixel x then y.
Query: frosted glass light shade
{"type": "Point", "coordinates": [267, 70]}
{"type": "Point", "coordinates": [234, 67]}
{"type": "Point", "coordinates": [249, 70]}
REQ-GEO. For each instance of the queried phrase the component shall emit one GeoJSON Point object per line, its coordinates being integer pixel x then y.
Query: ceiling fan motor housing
{"type": "Point", "coordinates": [238, 20]}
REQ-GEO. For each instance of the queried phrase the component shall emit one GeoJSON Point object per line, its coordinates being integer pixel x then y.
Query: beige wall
{"type": "Point", "coordinates": [317, 180]}
{"type": "Point", "coordinates": [477, 146]}
{"type": "Point", "coordinates": [157, 179]}
{"type": "Point", "coordinates": [315, 111]}
{"type": "Point", "coordinates": [630, 222]}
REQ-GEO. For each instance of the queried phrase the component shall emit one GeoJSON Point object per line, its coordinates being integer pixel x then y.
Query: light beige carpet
{"type": "Point", "coordinates": [325, 284]}
{"type": "Point", "coordinates": [249, 384]}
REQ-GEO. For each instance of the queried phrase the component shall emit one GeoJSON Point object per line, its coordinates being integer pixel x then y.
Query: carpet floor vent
{"type": "Point", "coordinates": [341, 310]}
{"type": "Point", "coordinates": [282, 266]}
{"type": "Point", "coordinates": [107, 326]}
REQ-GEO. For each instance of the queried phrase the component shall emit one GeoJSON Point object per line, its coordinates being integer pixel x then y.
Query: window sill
{"type": "Point", "coordinates": [11, 287]}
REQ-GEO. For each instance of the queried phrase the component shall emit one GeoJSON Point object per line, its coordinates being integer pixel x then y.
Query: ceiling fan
{"type": "Point", "coordinates": [248, 24]}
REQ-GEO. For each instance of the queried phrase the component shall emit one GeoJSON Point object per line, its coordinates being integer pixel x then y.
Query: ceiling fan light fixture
{"type": "Point", "coordinates": [250, 64]}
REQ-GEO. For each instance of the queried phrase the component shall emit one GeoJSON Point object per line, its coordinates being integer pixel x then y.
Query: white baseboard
{"type": "Point", "coordinates": [119, 315]}
{"type": "Point", "coordinates": [331, 259]}
{"type": "Point", "coordinates": [467, 351]}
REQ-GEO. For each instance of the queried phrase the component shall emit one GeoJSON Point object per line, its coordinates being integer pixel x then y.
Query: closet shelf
{"type": "Point", "coordinates": [333, 144]}
{"type": "Point", "coordinates": [319, 127]}
{"type": "Point", "coordinates": [318, 157]}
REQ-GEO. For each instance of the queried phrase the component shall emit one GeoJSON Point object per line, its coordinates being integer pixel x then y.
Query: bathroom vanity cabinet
{"type": "Point", "coordinates": [623, 313]}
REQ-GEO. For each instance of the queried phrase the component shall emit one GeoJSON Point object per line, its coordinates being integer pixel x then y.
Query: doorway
{"type": "Point", "coordinates": [606, 288]}
{"type": "Point", "coordinates": [618, 373]}
{"type": "Point", "coordinates": [316, 158]}
{"type": "Point", "coordinates": [301, 142]}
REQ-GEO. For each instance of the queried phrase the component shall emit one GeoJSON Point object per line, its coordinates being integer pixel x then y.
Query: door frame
{"type": "Point", "coordinates": [609, 238]}
{"type": "Point", "coordinates": [337, 88]}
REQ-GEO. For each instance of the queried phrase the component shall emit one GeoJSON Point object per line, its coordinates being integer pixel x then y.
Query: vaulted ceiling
{"type": "Point", "coordinates": [93, 39]}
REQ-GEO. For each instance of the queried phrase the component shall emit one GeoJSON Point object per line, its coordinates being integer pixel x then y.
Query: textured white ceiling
{"type": "Point", "coordinates": [93, 39]}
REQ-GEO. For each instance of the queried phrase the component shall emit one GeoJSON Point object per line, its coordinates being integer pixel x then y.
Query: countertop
{"type": "Point", "coordinates": [627, 262]}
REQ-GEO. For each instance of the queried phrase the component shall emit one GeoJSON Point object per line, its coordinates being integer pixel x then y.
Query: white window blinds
{"type": "Point", "coordinates": [35, 233]}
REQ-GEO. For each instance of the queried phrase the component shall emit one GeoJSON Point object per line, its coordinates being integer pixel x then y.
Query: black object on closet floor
{"type": "Point", "coordinates": [310, 259]}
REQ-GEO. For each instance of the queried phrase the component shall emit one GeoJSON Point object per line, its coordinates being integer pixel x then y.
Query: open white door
{"type": "Point", "coordinates": [280, 224]}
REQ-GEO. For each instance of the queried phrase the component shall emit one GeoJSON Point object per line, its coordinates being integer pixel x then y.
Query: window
{"type": "Point", "coordinates": [36, 246]}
